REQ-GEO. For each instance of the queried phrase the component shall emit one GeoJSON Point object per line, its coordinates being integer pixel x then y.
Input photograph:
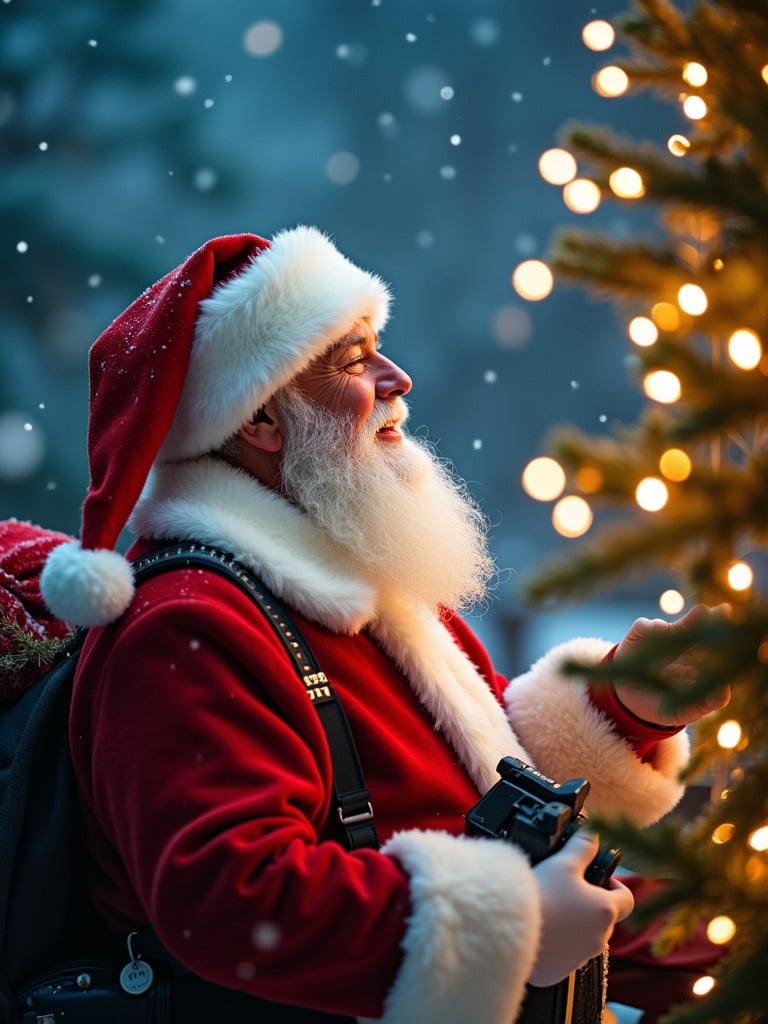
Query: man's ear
{"type": "Point", "coordinates": [263, 430]}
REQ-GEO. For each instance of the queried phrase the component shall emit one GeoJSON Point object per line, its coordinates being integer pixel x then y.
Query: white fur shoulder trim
{"type": "Point", "coordinates": [472, 936]}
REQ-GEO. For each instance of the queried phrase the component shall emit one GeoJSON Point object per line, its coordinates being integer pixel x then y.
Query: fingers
{"type": "Point", "coordinates": [624, 901]}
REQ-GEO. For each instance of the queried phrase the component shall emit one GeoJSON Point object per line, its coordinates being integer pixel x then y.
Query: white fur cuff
{"type": "Point", "coordinates": [473, 932]}
{"type": "Point", "coordinates": [568, 737]}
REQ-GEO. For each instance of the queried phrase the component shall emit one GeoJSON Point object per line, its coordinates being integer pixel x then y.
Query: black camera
{"type": "Point", "coordinates": [537, 814]}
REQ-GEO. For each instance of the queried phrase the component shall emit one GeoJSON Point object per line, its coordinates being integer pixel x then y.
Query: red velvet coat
{"type": "Point", "coordinates": [206, 774]}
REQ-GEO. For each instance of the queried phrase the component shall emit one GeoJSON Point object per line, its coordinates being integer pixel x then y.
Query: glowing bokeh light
{"type": "Point", "coordinates": [543, 479]}
{"type": "Point", "coordinates": [626, 183]}
{"type": "Point", "coordinates": [643, 331]}
{"type": "Point", "coordinates": [671, 602]}
{"type": "Point", "coordinates": [692, 299]}
{"type": "Point", "coordinates": [695, 74]}
{"type": "Point", "coordinates": [745, 349]}
{"type": "Point", "coordinates": [598, 35]}
{"type": "Point", "coordinates": [582, 195]}
{"type": "Point", "coordinates": [662, 386]}
{"type": "Point", "coordinates": [651, 494]}
{"type": "Point", "coordinates": [610, 81]}
{"type": "Point", "coordinates": [532, 280]}
{"type": "Point", "coordinates": [572, 516]}
{"type": "Point", "coordinates": [675, 464]}
{"type": "Point", "coordinates": [729, 735]}
{"type": "Point", "coordinates": [740, 576]}
{"type": "Point", "coordinates": [557, 166]}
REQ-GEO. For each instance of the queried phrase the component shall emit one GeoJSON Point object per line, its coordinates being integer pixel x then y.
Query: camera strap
{"type": "Point", "coordinates": [351, 796]}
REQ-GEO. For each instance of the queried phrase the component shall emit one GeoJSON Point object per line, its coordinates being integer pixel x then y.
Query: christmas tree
{"type": "Point", "coordinates": [681, 495]}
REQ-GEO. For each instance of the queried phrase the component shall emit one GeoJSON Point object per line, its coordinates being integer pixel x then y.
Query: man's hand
{"type": "Point", "coordinates": [681, 671]}
{"type": "Point", "coordinates": [577, 918]}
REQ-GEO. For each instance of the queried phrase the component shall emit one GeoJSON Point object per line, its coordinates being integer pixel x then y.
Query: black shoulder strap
{"type": "Point", "coordinates": [353, 801]}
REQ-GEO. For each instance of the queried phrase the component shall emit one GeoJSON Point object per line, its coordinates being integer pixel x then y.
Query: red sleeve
{"type": "Point", "coordinates": [210, 777]}
{"type": "Point", "coordinates": [643, 736]}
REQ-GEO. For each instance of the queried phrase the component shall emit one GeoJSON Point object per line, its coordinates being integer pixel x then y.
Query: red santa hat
{"type": "Point", "coordinates": [183, 367]}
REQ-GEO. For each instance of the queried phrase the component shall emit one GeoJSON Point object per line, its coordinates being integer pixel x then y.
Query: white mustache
{"type": "Point", "coordinates": [392, 413]}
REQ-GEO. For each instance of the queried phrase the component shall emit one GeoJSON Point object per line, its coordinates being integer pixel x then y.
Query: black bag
{"type": "Point", "coordinates": [48, 930]}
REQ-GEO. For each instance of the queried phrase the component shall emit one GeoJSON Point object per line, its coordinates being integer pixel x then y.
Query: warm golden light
{"type": "Point", "coordinates": [543, 479]}
{"type": "Point", "coordinates": [557, 166]}
{"type": "Point", "coordinates": [626, 183]}
{"type": "Point", "coordinates": [695, 108]}
{"type": "Point", "coordinates": [666, 316]}
{"type": "Point", "coordinates": [764, 73]}
{"type": "Point", "coordinates": [678, 145]}
{"type": "Point", "coordinates": [598, 35]}
{"type": "Point", "coordinates": [723, 833]}
{"type": "Point", "coordinates": [610, 81]}
{"type": "Point", "coordinates": [721, 929]}
{"type": "Point", "coordinates": [695, 74]}
{"type": "Point", "coordinates": [740, 576]}
{"type": "Point", "coordinates": [662, 386]}
{"type": "Point", "coordinates": [582, 195]}
{"type": "Point", "coordinates": [675, 465]}
{"type": "Point", "coordinates": [572, 516]}
{"type": "Point", "coordinates": [703, 985]}
{"type": "Point", "coordinates": [643, 331]}
{"type": "Point", "coordinates": [588, 479]}
{"type": "Point", "coordinates": [532, 280]}
{"type": "Point", "coordinates": [729, 735]}
{"type": "Point", "coordinates": [758, 839]}
{"type": "Point", "coordinates": [692, 299]}
{"type": "Point", "coordinates": [651, 494]}
{"type": "Point", "coordinates": [745, 349]}
{"type": "Point", "coordinates": [671, 602]}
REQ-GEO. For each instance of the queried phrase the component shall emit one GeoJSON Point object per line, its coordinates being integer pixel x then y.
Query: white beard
{"type": "Point", "coordinates": [407, 519]}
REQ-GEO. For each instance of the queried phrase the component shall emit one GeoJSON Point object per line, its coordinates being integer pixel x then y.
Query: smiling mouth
{"type": "Point", "coordinates": [389, 430]}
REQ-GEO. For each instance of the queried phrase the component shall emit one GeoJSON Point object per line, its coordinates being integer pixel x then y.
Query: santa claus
{"type": "Point", "coordinates": [243, 402]}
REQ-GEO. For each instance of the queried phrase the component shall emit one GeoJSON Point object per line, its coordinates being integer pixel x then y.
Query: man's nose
{"type": "Point", "coordinates": [392, 381]}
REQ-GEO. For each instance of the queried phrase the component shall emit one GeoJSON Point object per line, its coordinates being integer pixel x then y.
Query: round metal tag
{"type": "Point", "coordinates": [136, 978]}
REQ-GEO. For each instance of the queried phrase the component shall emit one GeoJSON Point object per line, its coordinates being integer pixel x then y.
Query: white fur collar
{"type": "Point", "coordinates": [211, 502]}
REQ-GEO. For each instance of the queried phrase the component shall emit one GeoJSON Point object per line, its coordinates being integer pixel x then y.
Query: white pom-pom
{"type": "Point", "coordinates": [86, 587]}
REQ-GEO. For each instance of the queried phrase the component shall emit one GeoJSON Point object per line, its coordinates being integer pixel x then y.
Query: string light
{"type": "Point", "coordinates": [692, 299]}
{"type": "Point", "coordinates": [671, 602]}
{"type": "Point", "coordinates": [572, 516]}
{"type": "Point", "coordinates": [729, 735]}
{"type": "Point", "coordinates": [532, 280]}
{"type": "Point", "coordinates": [610, 81]}
{"type": "Point", "coordinates": [675, 464]}
{"type": "Point", "coordinates": [723, 833]}
{"type": "Point", "coordinates": [651, 494]}
{"type": "Point", "coordinates": [588, 479]}
{"type": "Point", "coordinates": [764, 73]}
{"type": "Point", "coordinates": [695, 108]}
{"type": "Point", "coordinates": [643, 331]}
{"type": "Point", "coordinates": [543, 479]}
{"type": "Point", "coordinates": [598, 35]}
{"type": "Point", "coordinates": [626, 183]}
{"type": "Point", "coordinates": [582, 195]}
{"type": "Point", "coordinates": [758, 839]}
{"type": "Point", "coordinates": [666, 316]}
{"type": "Point", "coordinates": [744, 349]}
{"type": "Point", "coordinates": [740, 576]}
{"type": "Point", "coordinates": [662, 386]}
{"type": "Point", "coordinates": [703, 985]}
{"type": "Point", "coordinates": [721, 929]}
{"type": "Point", "coordinates": [557, 166]}
{"type": "Point", "coordinates": [695, 74]}
{"type": "Point", "coordinates": [678, 145]}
